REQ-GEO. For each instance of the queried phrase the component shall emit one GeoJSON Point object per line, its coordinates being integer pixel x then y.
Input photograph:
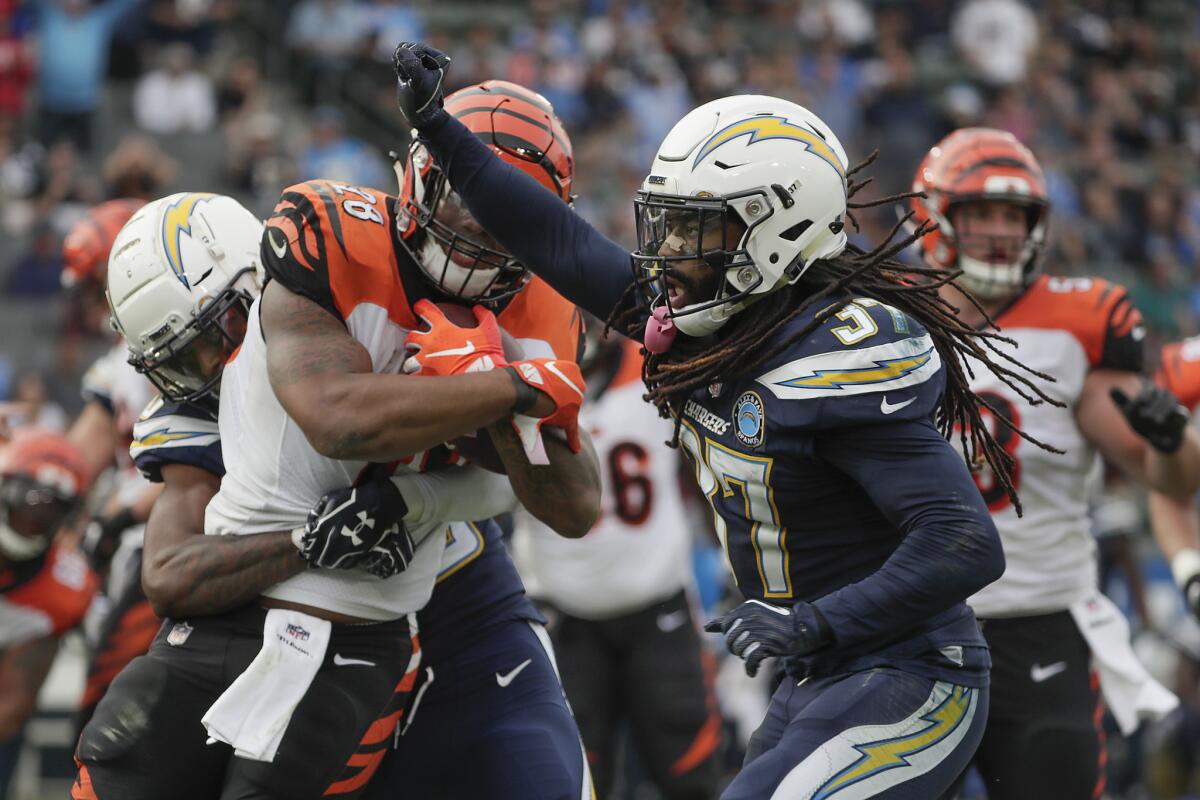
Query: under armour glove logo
{"type": "Point", "coordinates": [358, 527]}
{"type": "Point", "coordinates": [756, 631]}
{"type": "Point", "coordinates": [1155, 415]}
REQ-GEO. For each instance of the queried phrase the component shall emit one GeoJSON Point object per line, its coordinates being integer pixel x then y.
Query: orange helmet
{"type": "Point", "coordinates": [43, 479]}
{"type": "Point", "coordinates": [85, 250]}
{"type": "Point", "coordinates": [973, 164]}
{"type": "Point", "coordinates": [522, 129]}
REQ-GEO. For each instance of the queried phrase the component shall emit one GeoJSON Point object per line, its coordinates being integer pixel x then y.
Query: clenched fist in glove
{"type": "Point", "coordinates": [756, 631]}
{"type": "Point", "coordinates": [420, 73]}
{"type": "Point", "coordinates": [1155, 415]}
{"type": "Point", "coordinates": [359, 527]}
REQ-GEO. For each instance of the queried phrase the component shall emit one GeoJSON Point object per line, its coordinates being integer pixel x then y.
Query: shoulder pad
{"type": "Point", "coordinates": [868, 362]}
{"type": "Point", "coordinates": [331, 243]}
{"type": "Point", "coordinates": [184, 433]}
{"type": "Point", "coordinates": [546, 323]}
{"type": "Point", "coordinates": [1098, 313]}
{"type": "Point", "coordinates": [1179, 371]}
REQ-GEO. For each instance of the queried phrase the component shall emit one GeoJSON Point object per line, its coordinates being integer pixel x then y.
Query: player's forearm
{"type": "Point", "coordinates": [533, 224]}
{"type": "Point", "coordinates": [1176, 474]}
{"type": "Point", "coordinates": [933, 568]}
{"type": "Point", "coordinates": [457, 494]}
{"type": "Point", "coordinates": [370, 417]}
{"type": "Point", "coordinates": [210, 574]}
{"type": "Point", "coordinates": [564, 494]}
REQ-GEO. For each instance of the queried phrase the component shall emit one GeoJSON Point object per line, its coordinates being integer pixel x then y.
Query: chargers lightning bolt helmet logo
{"type": "Point", "coordinates": [772, 127]}
{"type": "Point", "coordinates": [176, 222]}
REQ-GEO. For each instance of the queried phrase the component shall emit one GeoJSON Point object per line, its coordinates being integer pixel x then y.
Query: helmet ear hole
{"type": "Point", "coordinates": [796, 231]}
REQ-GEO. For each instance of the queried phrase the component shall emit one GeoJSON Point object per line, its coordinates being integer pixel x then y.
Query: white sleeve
{"type": "Point", "coordinates": [459, 494]}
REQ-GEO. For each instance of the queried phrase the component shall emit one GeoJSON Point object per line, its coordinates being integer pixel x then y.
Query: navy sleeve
{"type": "Point", "coordinates": [543, 232]}
{"type": "Point", "coordinates": [950, 549]}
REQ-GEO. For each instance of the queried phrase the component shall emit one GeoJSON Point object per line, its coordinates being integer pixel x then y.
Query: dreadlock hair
{"type": "Point", "coordinates": [749, 339]}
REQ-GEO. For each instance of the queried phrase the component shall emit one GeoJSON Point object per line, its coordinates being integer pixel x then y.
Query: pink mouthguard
{"type": "Point", "coordinates": [660, 331]}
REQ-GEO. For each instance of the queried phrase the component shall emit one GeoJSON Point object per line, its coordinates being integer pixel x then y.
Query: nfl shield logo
{"type": "Point", "coordinates": [179, 634]}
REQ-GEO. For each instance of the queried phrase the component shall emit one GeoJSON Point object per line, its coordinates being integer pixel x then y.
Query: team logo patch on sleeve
{"type": "Point", "coordinates": [749, 419]}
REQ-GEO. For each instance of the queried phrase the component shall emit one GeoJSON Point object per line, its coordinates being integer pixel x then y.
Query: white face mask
{"type": "Point", "coordinates": [16, 547]}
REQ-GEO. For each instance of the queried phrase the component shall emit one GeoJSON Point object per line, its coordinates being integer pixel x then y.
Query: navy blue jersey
{"type": "Point", "coordinates": [176, 433]}
{"type": "Point", "coordinates": [832, 488]}
{"type": "Point", "coordinates": [478, 585]}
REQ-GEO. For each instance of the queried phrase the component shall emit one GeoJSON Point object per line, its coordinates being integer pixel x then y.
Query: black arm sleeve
{"type": "Point", "coordinates": [950, 549]}
{"type": "Point", "coordinates": [542, 231]}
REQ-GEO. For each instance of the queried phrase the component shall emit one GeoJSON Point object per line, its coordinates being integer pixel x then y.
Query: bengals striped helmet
{"type": "Point", "coordinates": [976, 164]}
{"type": "Point", "coordinates": [455, 253]}
{"type": "Point", "coordinates": [86, 248]}
{"type": "Point", "coordinates": [43, 479]}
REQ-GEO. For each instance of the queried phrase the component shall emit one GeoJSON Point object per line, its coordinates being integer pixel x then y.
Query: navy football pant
{"type": "Point", "coordinates": [877, 733]}
{"type": "Point", "coordinates": [490, 722]}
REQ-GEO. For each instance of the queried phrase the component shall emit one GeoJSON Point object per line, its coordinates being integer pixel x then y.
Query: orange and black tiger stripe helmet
{"type": "Point", "coordinates": [520, 126]}
{"type": "Point", "coordinates": [86, 248]}
{"type": "Point", "coordinates": [973, 164]}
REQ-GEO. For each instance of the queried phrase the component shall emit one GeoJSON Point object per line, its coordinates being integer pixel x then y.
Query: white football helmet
{"type": "Point", "coordinates": [773, 164]}
{"type": "Point", "coordinates": [182, 275]}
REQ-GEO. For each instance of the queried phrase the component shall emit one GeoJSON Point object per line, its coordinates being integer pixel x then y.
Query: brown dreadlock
{"type": "Point", "coordinates": [748, 340]}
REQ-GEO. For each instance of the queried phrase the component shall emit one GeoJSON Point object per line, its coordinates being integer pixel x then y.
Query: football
{"type": "Point", "coordinates": [478, 449]}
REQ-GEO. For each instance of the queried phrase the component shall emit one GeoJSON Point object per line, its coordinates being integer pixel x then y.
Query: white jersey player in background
{"type": "Point", "coordinates": [1054, 638]}
{"type": "Point", "coordinates": [620, 600]}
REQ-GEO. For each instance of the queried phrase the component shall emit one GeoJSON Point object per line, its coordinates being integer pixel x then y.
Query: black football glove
{"type": "Point", "coordinates": [756, 631]}
{"type": "Point", "coordinates": [362, 526]}
{"type": "Point", "coordinates": [102, 537]}
{"type": "Point", "coordinates": [1155, 415]}
{"type": "Point", "coordinates": [420, 71]}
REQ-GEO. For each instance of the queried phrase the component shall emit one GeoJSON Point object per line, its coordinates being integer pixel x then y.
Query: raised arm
{"type": "Point", "coordinates": [544, 234]}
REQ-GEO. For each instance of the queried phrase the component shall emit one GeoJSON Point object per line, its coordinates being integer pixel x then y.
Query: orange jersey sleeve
{"type": "Point", "coordinates": [61, 590]}
{"type": "Point", "coordinates": [541, 314]}
{"type": "Point", "coordinates": [1099, 314]}
{"type": "Point", "coordinates": [332, 243]}
{"type": "Point", "coordinates": [1179, 371]}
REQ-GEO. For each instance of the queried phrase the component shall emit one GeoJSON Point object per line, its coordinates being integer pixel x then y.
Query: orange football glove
{"type": "Point", "coordinates": [563, 382]}
{"type": "Point", "coordinates": [448, 349]}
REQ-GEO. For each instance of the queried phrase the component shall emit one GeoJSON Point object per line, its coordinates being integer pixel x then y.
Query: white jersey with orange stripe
{"type": "Point", "coordinates": [639, 551]}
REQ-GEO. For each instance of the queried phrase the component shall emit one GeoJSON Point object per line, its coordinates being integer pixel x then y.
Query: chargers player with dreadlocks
{"type": "Point", "coordinates": [1055, 639]}
{"type": "Point", "coordinates": [851, 524]}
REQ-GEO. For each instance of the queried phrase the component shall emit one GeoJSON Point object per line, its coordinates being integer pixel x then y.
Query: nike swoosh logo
{"type": "Point", "coordinates": [465, 350]}
{"type": "Point", "coordinates": [672, 621]}
{"type": "Point", "coordinates": [505, 680]}
{"type": "Point", "coordinates": [1038, 673]}
{"type": "Point", "coordinates": [280, 246]}
{"type": "Point", "coordinates": [339, 661]}
{"type": "Point", "coordinates": [892, 408]}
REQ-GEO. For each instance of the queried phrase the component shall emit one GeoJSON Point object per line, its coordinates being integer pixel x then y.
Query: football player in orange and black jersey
{"type": "Point", "coordinates": [988, 195]}
{"type": "Point", "coordinates": [1174, 520]}
{"type": "Point", "coordinates": [358, 260]}
{"type": "Point", "coordinates": [45, 584]}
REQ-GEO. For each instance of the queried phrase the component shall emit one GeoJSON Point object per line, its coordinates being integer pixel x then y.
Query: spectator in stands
{"type": "Point", "coordinates": [16, 60]}
{"type": "Point", "coordinates": [176, 97]}
{"type": "Point", "coordinates": [36, 274]}
{"type": "Point", "coordinates": [194, 22]}
{"type": "Point", "coordinates": [34, 408]}
{"type": "Point", "coordinates": [391, 21]}
{"type": "Point", "coordinates": [335, 154]}
{"type": "Point", "coordinates": [73, 41]}
{"type": "Point", "coordinates": [996, 38]}
{"type": "Point", "coordinates": [137, 168]}
{"type": "Point", "coordinates": [328, 35]}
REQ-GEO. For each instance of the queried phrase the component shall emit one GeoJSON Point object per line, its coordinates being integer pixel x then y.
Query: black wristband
{"type": "Point", "coordinates": [526, 394]}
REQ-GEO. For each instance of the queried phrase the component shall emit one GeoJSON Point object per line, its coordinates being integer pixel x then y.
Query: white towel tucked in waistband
{"type": "Point", "coordinates": [1129, 691]}
{"type": "Point", "coordinates": [254, 712]}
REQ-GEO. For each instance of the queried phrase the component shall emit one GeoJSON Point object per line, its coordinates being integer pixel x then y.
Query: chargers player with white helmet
{"type": "Point", "coordinates": [813, 387]}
